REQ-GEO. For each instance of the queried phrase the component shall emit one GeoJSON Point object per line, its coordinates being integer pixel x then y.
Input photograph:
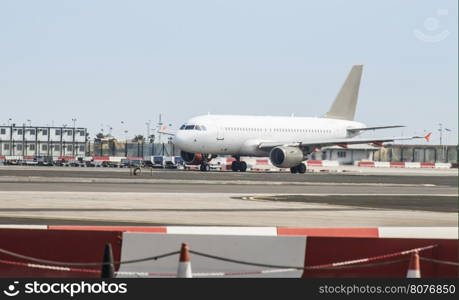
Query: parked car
{"type": "Point", "coordinates": [45, 161]}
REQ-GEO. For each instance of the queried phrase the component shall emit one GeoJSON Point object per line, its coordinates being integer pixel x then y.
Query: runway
{"type": "Point", "coordinates": [446, 177]}
{"type": "Point", "coordinates": [113, 197]}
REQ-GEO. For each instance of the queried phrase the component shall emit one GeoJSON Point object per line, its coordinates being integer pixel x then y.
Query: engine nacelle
{"type": "Point", "coordinates": [192, 158]}
{"type": "Point", "coordinates": [286, 157]}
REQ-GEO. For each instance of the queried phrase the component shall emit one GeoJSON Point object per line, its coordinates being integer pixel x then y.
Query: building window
{"type": "Point", "coordinates": [3, 131]}
{"type": "Point", "coordinates": [20, 131]}
{"type": "Point", "coordinates": [32, 131]}
{"type": "Point", "coordinates": [6, 146]}
{"type": "Point", "coordinates": [81, 148]}
{"type": "Point", "coordinates": [44, 147]}
{"type": "Point", "coordinates": [44, 132]}
{"type": "Point", "coordinates": [32, 147]}
{"type": "Point", "coordinates": [69, 132]}
{"type": "Point", "coordinates": [19, 147]}
{"type": "Point", "coordinates": [82, 133]}
{"type": "Point", "coordinates": [57, 147]}
{"type": "Point", "coordinates": [70, 148]}
{"type": "Point", "coordinates": [58, 132]}
{"type": "Point", "coordinates": [341, 153]}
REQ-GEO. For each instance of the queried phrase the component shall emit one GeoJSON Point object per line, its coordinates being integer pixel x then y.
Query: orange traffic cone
{"type": "Point", "coordinates": [184, 266]}
{"type": "Point", "coordinates": [414, 270]}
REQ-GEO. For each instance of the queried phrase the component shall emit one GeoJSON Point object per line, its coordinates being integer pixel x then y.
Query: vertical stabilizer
{"type": "Point", "coordinates": [345, 103]}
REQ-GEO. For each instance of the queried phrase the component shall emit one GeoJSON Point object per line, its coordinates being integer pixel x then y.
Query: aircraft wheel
{"type": "Point", "coordinates": [204, 167]}
{"type": "Point", "coordinates": [235, 165]}
{"type": "Point", "coordinates": [293, 170]}
{"type": "Point", "coordinates": [242, 166]}
{"type": "Point", "coordinates": [301, 168]}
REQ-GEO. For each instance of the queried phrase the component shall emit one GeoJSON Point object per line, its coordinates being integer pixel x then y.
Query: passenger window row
{"type": "Point", "coordinates": [278, 129]}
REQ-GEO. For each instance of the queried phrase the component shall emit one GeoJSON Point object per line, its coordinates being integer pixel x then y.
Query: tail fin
{"type": "Point", "coordinates": [346, 101]}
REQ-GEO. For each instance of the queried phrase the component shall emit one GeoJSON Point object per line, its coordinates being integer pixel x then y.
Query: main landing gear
{"type": "Point", "coordinates": [238, 165]}
{"type": "Point", "coordinates": [301, 168]}
{"type": "Point", "coordinates": [204, 167]}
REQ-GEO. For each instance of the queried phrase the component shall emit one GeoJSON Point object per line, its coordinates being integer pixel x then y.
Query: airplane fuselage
{"type": "Point", "coordinates": [240, 135]}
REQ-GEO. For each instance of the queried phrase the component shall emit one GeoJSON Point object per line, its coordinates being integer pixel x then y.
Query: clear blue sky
{"type": "Point", "coordinates": [106, 61]}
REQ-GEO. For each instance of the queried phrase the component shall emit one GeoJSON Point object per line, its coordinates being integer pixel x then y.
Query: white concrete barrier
{"type": "Point", "coordinates": [419, 232]}
{"type": "Point", "coordinates": [382, 164]}
{"type": "Point", "coordinates": [275, 250]}
{"type": "Point", "coordinates": [442, 165]}
{"type": "Point", "coordinates": [412, 165]}
{"type": "Point", "coordinates": [218, 230]}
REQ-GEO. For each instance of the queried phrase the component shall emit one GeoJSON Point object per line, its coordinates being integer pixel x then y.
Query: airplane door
{"type": "Point", "coordinates": [220, 134]}
{"type": "Point", "coordinates": [222, 147]}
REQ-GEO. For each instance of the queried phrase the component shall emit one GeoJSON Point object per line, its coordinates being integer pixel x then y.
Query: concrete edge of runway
{"type": "Point", "coordinates": [37, 179]}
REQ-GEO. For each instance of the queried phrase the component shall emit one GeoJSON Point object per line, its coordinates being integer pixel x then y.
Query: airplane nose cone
{"type": "Point", "coordinates": [178, 139]}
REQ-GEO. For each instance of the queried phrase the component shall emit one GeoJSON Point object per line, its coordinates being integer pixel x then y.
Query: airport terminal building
{"type": "Point", "coordinates": [42, 141]}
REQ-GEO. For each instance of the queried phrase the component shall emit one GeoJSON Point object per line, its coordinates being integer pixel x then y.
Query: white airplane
{"type": "Point", "coordinates": [286, 140]}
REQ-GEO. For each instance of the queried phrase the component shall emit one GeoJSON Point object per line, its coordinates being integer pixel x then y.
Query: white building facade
{"type": "Point", "coordinates": [42, 141]}
{"type": "Point", "coordinates": [346, 156]}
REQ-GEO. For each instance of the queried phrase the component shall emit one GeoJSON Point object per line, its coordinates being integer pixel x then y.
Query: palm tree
{"type": "Point", "coordinates": [100, 135]}
{"type": "Point", "coordinates": [138, 138]}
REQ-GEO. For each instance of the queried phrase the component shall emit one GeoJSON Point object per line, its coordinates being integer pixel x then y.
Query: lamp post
{"type": "Point", "coordinates": [123, 127]}
{"type": "Point", "coordinates": [441, 132]}
{"type": "Point", "coordinates": [447, 130]}
{"type": "Point", "coordinates": [125, 142]}
{"type": "Point", "coordinates": [160, 124]}
{"type": "Point", "coordinates": [73, 139]}
{"type": "Point", "coordinates": [110, 128]}
{"type": "Point", "coordinates": [148, 128]}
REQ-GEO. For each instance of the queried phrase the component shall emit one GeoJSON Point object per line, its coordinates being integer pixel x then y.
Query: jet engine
{"type": "Point", "coordinates": [192, 158]}
{"type": "Point", "coordinates": [286, 157]}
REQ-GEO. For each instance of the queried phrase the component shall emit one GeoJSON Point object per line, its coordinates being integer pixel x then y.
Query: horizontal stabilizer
{"type": "Point", "coordinates": [166, 133]}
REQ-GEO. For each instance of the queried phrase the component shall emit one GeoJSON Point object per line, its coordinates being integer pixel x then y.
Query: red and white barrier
{"type": "Point", "coordinates": [101, 158]}
{"type": "Point", "coordinates": [371, 232]}
{"type": "Point", "coordinates": [381, 164]}
{"type": "Point", "coordinates": [48, 267]}
{"type": "Point", "coordinates": [66, 158]}
{"type": "Point", "coordinates": [321, 163]}
{"type": "Point", "coordinates": [312, 250]}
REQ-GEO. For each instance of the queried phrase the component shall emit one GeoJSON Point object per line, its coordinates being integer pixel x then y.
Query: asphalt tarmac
{"type": "Point", "coordinates": [40, 195]}
{"type": "Point", "coordinates": [401, 177]}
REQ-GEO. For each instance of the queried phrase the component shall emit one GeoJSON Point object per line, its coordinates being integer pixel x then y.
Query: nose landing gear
{"type": "Point", "coordinates": [205, 167]}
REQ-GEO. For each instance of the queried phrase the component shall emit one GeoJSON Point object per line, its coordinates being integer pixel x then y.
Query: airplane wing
{"type": "Point", "coordinates": [373, 128]}
{"type": "Point", "coordinates": [340, 142]}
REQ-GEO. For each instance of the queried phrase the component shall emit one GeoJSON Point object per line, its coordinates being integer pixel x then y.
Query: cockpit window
{"type": "Point", "coordinates": [193, 127]}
